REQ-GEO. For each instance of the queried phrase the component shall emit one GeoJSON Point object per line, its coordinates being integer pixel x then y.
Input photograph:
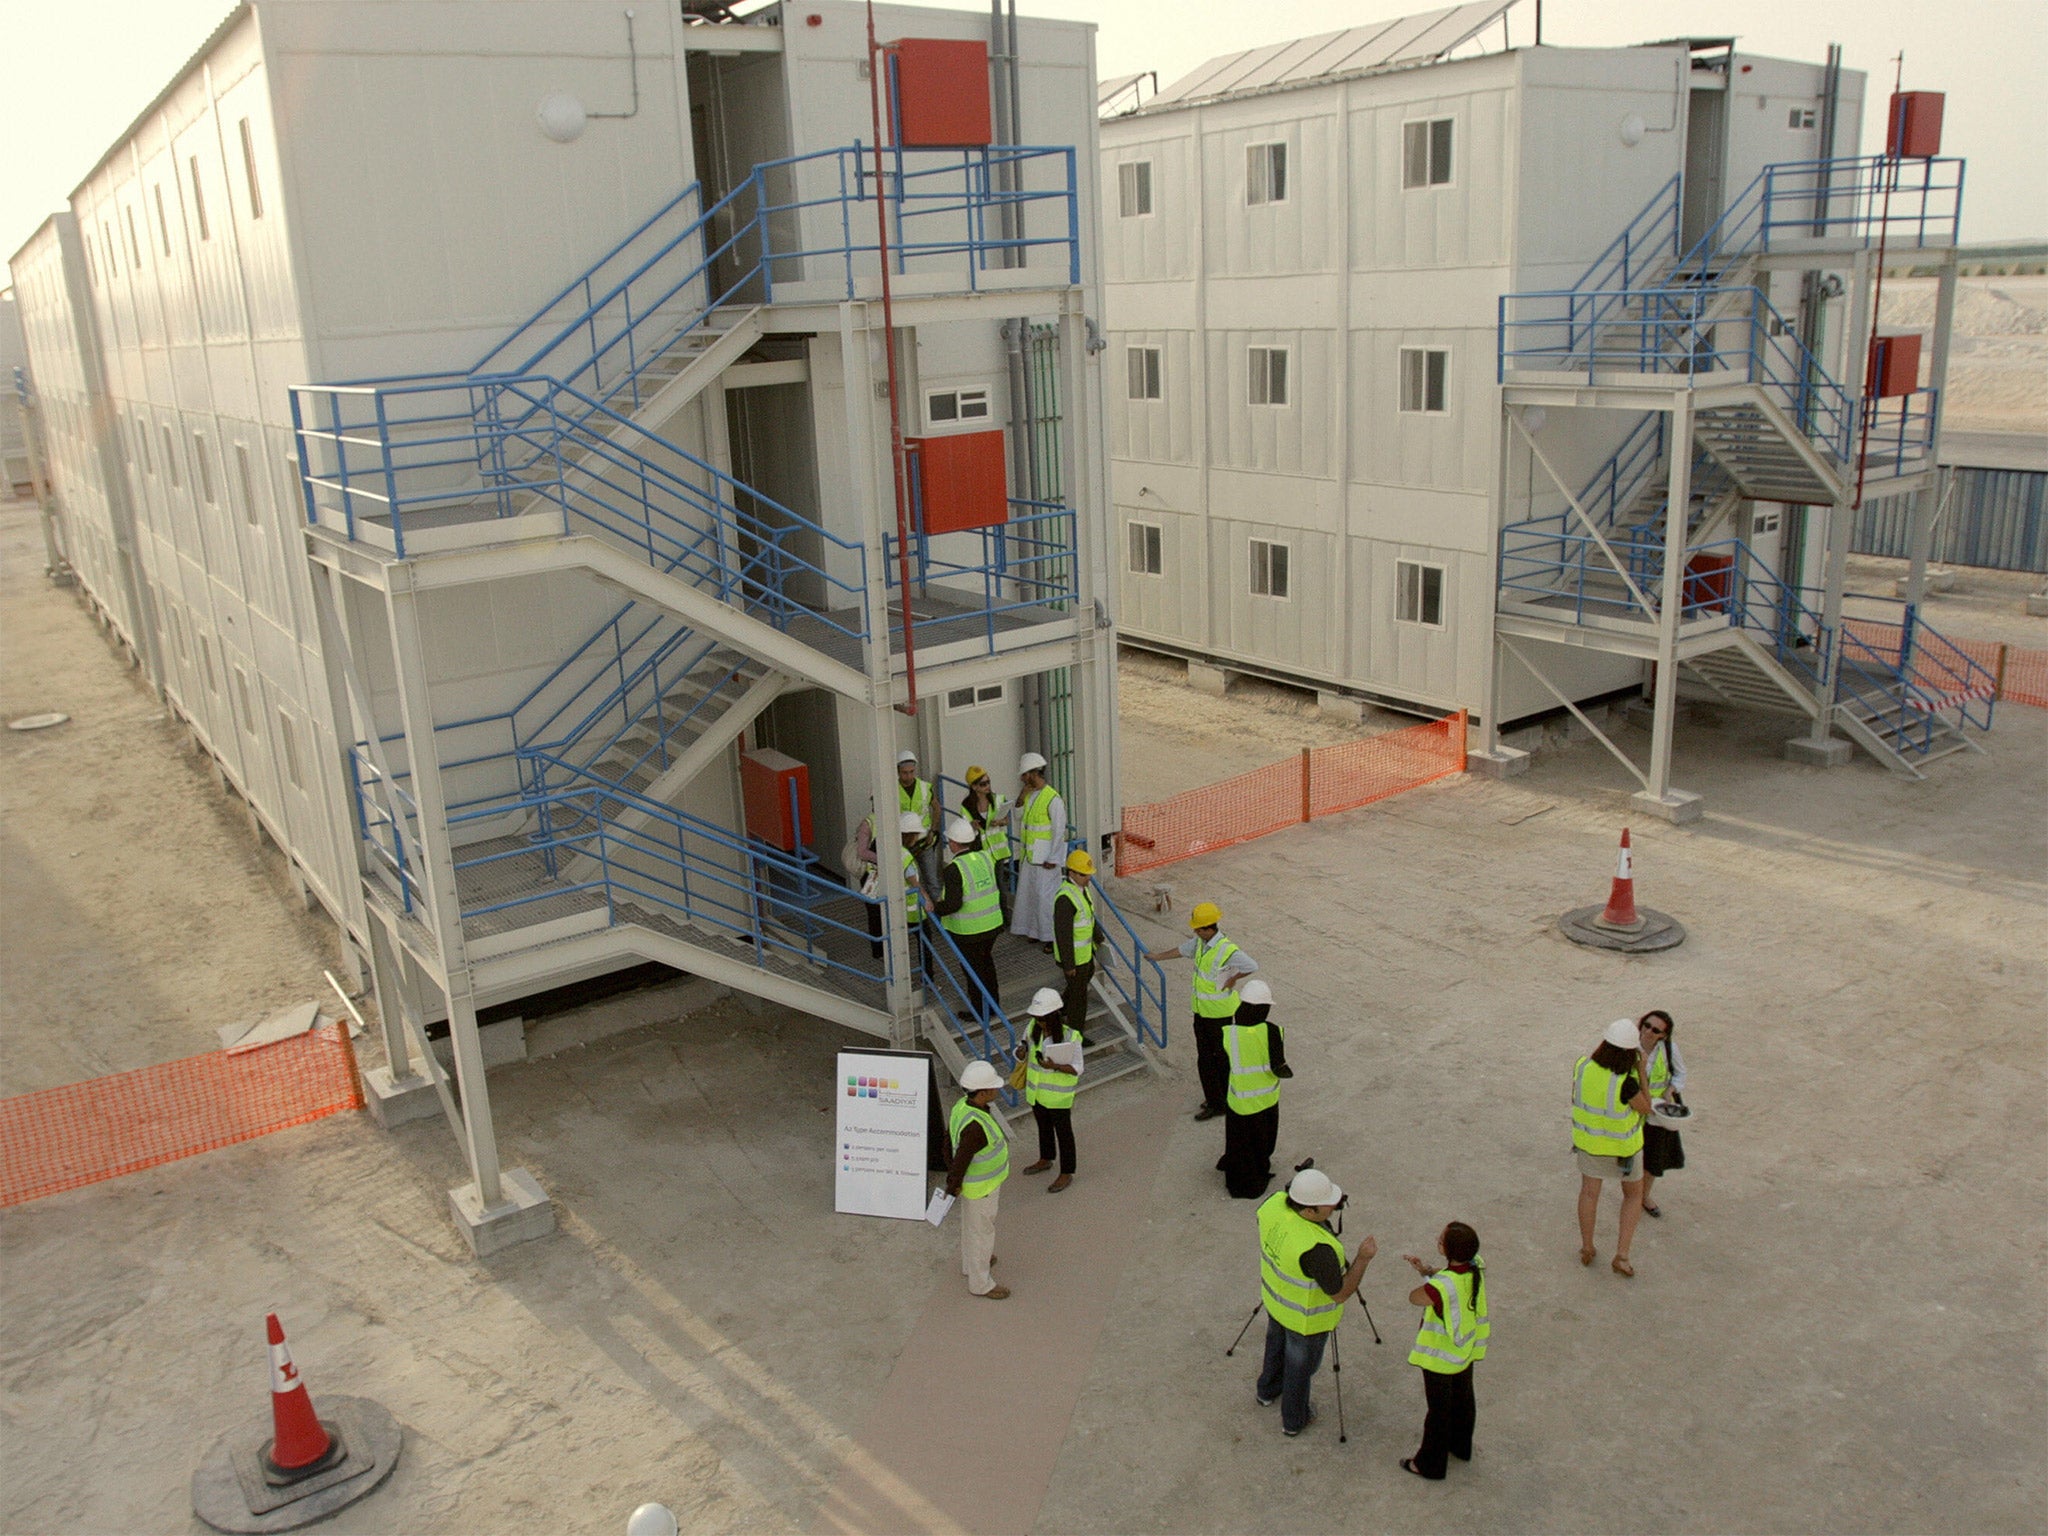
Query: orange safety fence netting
{"type": "Point", "coordinates": [1318, 782]}
{"type": "Point", "coordinates": [2017, 673]}
{"type": "Point", "coordinates": [60, 1138]}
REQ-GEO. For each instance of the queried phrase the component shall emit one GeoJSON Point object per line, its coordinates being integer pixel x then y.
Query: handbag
{"type": "Point", "coordinates": [1021, 1073]}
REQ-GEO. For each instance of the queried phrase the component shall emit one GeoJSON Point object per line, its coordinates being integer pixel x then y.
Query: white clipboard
{"type": "Point", "coordinates": [942, 1202]}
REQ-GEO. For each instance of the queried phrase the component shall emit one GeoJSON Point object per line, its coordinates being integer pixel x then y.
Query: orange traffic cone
{"type": "Point", "coordinates": [1621, 900]}
{"type": "Point", "coordinates": [299, 1440]}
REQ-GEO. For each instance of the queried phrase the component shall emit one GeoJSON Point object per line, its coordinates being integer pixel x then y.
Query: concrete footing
{"type": "Point", "coordinates": [1204, 678]}
{"type": "Point", "coordinates": [393, 1102]}
{"type": "Point", "coordinates": [1337, 706]}
{"type": "Point", "coordinates": [1832, 753]}
{"type": "Point", "coordinates": [2037, 605]}
{"type": "Point", "coordinates": [1501, 763]}
{"type": "Point", "coordinates": [1933, 581]}
{"type": "Point", "coordinates": [1674, 805]}
{"type": "Point", "coordinates": [523, 1213]}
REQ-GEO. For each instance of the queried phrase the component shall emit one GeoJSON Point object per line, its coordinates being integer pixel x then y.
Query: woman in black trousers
{"type": "Point", "coordinates": [1449, 1343]}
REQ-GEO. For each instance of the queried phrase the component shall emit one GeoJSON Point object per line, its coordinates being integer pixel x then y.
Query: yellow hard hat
{"type": "Point", "coordinates": [1079, 862]}
{"type": "Point", "coordinates": [1206, 915]}
{"type": "Point", "coordinates": [975, 773]}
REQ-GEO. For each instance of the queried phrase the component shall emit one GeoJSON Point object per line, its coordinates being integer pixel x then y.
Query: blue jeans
{"type": "Point", "coordinates": [1292, 1359]}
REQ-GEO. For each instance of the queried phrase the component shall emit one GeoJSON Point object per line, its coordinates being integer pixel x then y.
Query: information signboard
{"type": "Point", "coordinates": [883, 1131]}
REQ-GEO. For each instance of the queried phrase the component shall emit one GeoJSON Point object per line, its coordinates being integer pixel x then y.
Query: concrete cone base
{"type": "Point", "coordinates": [229, 1491]}
{"type": "Point", "coordinates": [1659, 930]}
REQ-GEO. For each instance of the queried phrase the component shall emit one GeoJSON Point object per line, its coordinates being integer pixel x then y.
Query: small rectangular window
{"type": "Point", "coordinates": [1269, 569]}
{"type": "Point", "coordinates": [178, 636]}
{"type": "Point", "coordinates": [199, 201]}
{"type": "Point", "coordinates": [206, 660]}
{"type": "Point", "coordinates": [1141, 366]}
{"type": "Point", "coordinates": [294, 501]}
{"type": "Point", "coordinates": [92, 261]}
{"type": "Point", "coordinates": [142, 448]}
{"type": "Point", "coordinates": [248, 720]}
{"type": "Point", "coordinates": [248, 485]}
{"type": "Point", "coordinates": [1265, 174]}
{"type": "Point", "coordinates": [202, 467]}
{"type": "Point", "coordinates": [1766, 522]}
{"type": "Point", "coordinates": [171, 459]}
{"type": "Point", "coordinates": [979, 697]}
{"type": "Point", "coordinates": [249, 169]}
{"type": "Point", "coordinates": [163, 224]}
{"type": "Point", "coordinates": [290, 740]}
{"type": "Point", "coordinates": [955, 405]}
{"type": "Point", "coordinates": [1425, 372]}
{"type": "Point", "coordinates": [1134, 189]}
{"type": "Point", "coordinates": [1420, 599]}
{"type": "Point", "coordinates": [1145, 551]}
{"type": "Point", "coordinates": [134, 245]}
{"type": "Point", "coordinates": [1800, 117]}
{"type": "Point", "coordinates": [1268, 376]}
{"type": "Point", "coordinates": [107, 237]}
{"type": "Point", "coordinates": [1426, 153]}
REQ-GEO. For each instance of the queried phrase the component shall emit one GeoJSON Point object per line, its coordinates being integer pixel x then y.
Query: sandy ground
{"type": "Point", "coordinates": [139, 913]}
{"type": "Point", "coordinates": [1836, 1326]}
{"type": "Point", "coordinates": [1998, 363]}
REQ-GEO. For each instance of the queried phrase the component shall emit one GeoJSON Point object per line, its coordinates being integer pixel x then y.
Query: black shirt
{"type": "Point", "coordinates": [1325, 1266]}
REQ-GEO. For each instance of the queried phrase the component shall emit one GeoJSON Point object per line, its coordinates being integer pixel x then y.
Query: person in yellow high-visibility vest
{"type": "Point", "coordinates": [916, 797]}
{"type": "Point", "coordinates": [1074, 935]}
{"type": "Point", "coordinates": [1609, 1107]}
{"type": "Point", "coordinates": [1220, 968]}
{"type": "Point", "coordinates": [1042, 832]}
{"type": "Point", "coordinates": [990, 814]}
{"type": "Point", "coordinates": [1049, 1084]}
{"type": "Point", "coordinates": [970, 908]}
{"type": "Point", "coordinates": [1304, 1284]}
{"type": "Point", "coordinates": [1449, 1341]}
{"type": "Point", "coordinates": [1251, 1120]}
{"type": "Point", "coordinates": [980, 1164]}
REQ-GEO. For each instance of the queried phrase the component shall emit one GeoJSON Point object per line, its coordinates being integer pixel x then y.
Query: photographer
{"type": "Point", "coordinates": [1304, 1284]}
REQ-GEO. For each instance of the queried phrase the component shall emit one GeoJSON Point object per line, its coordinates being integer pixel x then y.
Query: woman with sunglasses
{"type": "Point", "coordinates": [990, 814]}
{"type": "Point", "coordinates": [1664, 1076]}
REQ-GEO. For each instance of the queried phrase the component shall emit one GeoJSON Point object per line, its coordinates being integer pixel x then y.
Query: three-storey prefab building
{"type": "Point", "coordinates": [557, 456]}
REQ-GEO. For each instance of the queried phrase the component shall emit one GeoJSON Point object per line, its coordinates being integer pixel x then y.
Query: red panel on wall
{"type": "Point", "coordinates": [963, 481]}
{"type": "Point", "coordinates": [1915, 125]}
{"type": "Point", "coordinates": [765, 779]}
{"type": "Point", "coordinates": [942, 96]}
{"type": "Point", "coordinates": [1894, 365]}
{"type": "Point", "coordinates": [1709, 579]}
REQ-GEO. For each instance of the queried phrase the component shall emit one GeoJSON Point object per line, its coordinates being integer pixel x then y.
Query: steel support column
{"type": "Point", "coordinates": [1677, 507]}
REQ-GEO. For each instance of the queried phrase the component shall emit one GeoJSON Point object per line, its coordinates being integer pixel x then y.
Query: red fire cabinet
{"type": "Point", "coordinates": [962, 480]}
{"type": "Point", "coordinates": [776, 789]}
{"type": "Point", "coordinates": [1709, 582]}
{"type": "Point", "coordinates": [1894, 365]}
{"type": "Point", "coordinates": [942, 95]}
{"type": "Point", "coordinates": [1914, 129]}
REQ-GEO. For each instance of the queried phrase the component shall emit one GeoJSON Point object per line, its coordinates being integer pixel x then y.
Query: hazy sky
{"type": "Point", "coordinates": [80, 70]}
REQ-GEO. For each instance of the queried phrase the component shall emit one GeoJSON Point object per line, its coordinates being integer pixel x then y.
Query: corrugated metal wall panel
{"type": "Point", "coordinates": [1997, 518]}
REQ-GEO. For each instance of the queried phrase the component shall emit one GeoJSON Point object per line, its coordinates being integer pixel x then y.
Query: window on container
{"type": "Point", "coordinates": [249, 170]}
{"type": "Point", "coordinates": [107, 239]}
{"type": "Point", "coordinates": [1420, 599]}
{"type": "Point", "coordinates": [1269, 569]}
{"type": "Point", "coordinates": [955, 405]}
{"type": "Point", "coordinates": [202, 467]}
{"type": "Point", "coordinates": [1268, 376]}
{"type": "Point", "coordinates": [248, 480]}
{"type": "Point", "coordinates": [1426, 153]}
{"type": "Point", "coordinates": [981, 697]}
{"type": "Point", "coordinates": [170, 458]}
{"type": "Point", "coordinates": [163, 223]}
{"type": "Point", "coordinates": [1799, 117]}
{"type": "Point", "coordinates": [1142, 372]}
{"type": "Point", "coordinates": [1265, 174]}
{"type": "Point", "coordinates": [142, 447]}
{"type": "Point", "coordinates": [199, 201]}
{"type": "Point", "coordinates": [290, 739]}
{"type": "Point", "coordinates": [134, 245]}
{"type": "Point", "coordinates": [1146, 554]}
{"type": "Point", "coordinates": [1134, 189]}
{"type": "Point", "coordinates": [1424, 374]}
{"type": "Point", "coordinates": [206, 660]}
{"type": "Point", "coordinates": [247, 717]}
{"type": "Point", "coordinates": [294, 487]}
{"type": "Point", "coordinates": [177, 625]}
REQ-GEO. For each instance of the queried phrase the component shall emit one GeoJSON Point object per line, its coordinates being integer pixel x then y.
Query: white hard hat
{"type": "Point", "coordinates": [652, 1520]}
{"type": "Point", "coordinates": [1624, 1033]}
{"type": "Point", "coordinates": [1031, 760]}
{"type": "Point", "coordinates": [905, 757]}
{"type": "Point", "coordinates": [1312, 1186]}
{"type": "Point", "coordinates": [910, 823]}
{"type": "Point", "coordinates": [979, 1075]}
{"type": "Point", "coordinates": [1255, 991]}
{"type": "Point", "coordinates": [1045, 1001]}
{"type": "Point", "coordinates": [960, 830]}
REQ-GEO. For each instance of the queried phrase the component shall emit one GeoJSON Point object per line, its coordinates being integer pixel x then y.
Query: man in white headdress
{"type": "Point", "coordinates": [1042, 851]}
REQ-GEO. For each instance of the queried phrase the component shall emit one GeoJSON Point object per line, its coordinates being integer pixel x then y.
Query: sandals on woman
{"type": "Point", "coordinates": [1623, 1268]}
{"type": "Point", "coordinates": [1654, 1212]}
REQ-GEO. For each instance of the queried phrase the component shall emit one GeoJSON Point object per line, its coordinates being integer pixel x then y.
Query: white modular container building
{"type": "Point", "coordinates": [1312, 253]}
{"type": "Point", "coordinates": [499, 404]}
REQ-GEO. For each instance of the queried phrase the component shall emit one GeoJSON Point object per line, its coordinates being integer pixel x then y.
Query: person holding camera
{"type": "Point", "coordinates": [1608, 1111]}
{"type": "Point", "coordinates": [1251, 1103]}
{"type": "Point", "coordinates": [1449, 1341]}
{"type": "Point", "coordinates": [1664, 1077]}
{"type": "Point", "coordinates": [1303, 1284]}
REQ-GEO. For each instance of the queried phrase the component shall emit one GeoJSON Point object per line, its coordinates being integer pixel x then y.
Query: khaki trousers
{"type": "Point", "coordinates": [978, 1241]}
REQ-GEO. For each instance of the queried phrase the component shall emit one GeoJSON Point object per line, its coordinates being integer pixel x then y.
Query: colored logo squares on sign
{"type": "Point", "coordinates": [852, 1092]}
